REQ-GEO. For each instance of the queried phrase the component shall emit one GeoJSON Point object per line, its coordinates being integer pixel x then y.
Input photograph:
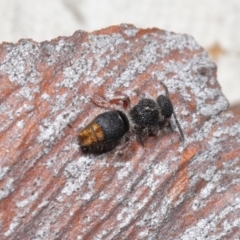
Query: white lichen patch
{"type": "Point", "coordinates": [62, 49]}
{"type": "Point", "coordinates": [154, 217]}
{"type": "Point", "coordinates": [207, 190]}
{"type": "Point", "coordinates": [138, 65]}
{"type": "Point", "coordinates": [20, 58]}
{"type": "Point", "coordinates": [7, 188]}
{"type": "Point", "coordinates": [100, 44]}
{"type": "Point", "coordinates": [128, 212]}
{"type": "Point", "coordinates": [87, 196]}
{"type": "Point", "coordinates": [103, 196]}
{"type": "Point", "coordinates": [125, 171]}
{"type": "Point", "coordinates": [86, 68]}
{"type": "Point", "coordinates": [3, 171]}
{"type": "Point", "coordinates": [160, 169]}
{"type": "Point", "coordinates": [27, 93]}
{"type": "Point", "coordinates": [131, 32]}
{"type": "Point", "coordinates": [63, 46]}
{"type": "Point", "coordinates": [13, 225]}
{"type": "Point", "coordinates": [77, 173]}
{"type": "Point", "coordinates": [216, 181]}
{"type": "Point", "coordinates": [21, 124]}
{"type": "Point", "coordinates": [82, 68]}
{"type": "Point", "coordinates": [208, 228]}
{"type": "Point", "coordinates": [50, 131]}
{"type": "Point", "coordinates": [27, 201]}
{"type": "Point", "coordinates": [45, 97]}
{"type": "Point", "coordinates": [43, 204]}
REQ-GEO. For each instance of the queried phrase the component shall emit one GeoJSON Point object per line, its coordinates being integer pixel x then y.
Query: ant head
{"type": "Point", "coordinates": [165, 106]}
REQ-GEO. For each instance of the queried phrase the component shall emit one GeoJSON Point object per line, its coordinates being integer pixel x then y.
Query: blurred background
{"type": "Point", "coordinates": [215, 24]}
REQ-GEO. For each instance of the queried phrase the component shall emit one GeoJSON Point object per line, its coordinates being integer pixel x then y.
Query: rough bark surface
{"type": "Point", "coordinates": [167, 189]}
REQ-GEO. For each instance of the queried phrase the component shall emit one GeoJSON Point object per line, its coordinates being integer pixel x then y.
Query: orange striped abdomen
{"type": "Point", "coordinates": [104, 132]}
{"type": "Point", "coordinates": [91, 135]}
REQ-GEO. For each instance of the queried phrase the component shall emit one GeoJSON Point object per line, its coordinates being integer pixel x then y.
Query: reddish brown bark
{"type": "Point", "coordinates": [165, 190]}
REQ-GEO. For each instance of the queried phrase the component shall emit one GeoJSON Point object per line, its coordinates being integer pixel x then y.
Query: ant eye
{"type": "Point", "coordinates": [165, 105]}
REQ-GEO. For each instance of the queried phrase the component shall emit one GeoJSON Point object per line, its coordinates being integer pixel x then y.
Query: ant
{"type": "Point", "coordinates": [106, 130]}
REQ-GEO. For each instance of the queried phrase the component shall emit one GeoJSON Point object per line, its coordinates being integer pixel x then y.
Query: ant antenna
{"type": "Point", "coordinates": [165, 88]}
{"type": "Point", "coordinates": [179, 127]}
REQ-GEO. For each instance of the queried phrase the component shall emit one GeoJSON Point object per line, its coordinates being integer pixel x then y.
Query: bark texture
{"type": "Point", "coordinates": [167, 189]}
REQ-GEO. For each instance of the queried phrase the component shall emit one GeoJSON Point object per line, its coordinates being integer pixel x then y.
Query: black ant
{"type": "Point", "coordinates": [105, 131]}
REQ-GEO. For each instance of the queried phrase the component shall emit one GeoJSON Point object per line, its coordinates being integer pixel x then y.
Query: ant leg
{"type": "Point", "coordinates": [153, 131]}
{"type": "Point", "coordinates": [165, 123]}
{"type": "Point", "coordinates": [122, 98]}
{"type": "Point", "coordinates": [141, 134]}
{"type": "Point", "coordinates": [119, 98]}
{"type": "Point", "coordinates": [124, 146]}
{"type": "Point", "coordinates": [100, 101]}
